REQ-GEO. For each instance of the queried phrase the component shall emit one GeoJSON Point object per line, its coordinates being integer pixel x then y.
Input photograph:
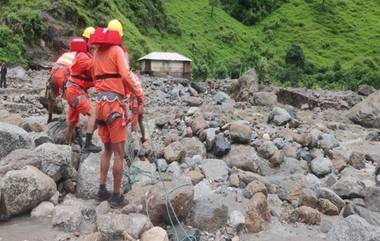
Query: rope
{"type": "Point", "coordinates": [169, 207]}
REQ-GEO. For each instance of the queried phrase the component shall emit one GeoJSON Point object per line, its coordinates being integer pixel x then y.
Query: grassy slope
{"type": "Point", "coordinates": [348, 30]}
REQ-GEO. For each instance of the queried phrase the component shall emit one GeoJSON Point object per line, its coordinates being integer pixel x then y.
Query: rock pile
{"type": "Point", "coordinates": [228, 168]}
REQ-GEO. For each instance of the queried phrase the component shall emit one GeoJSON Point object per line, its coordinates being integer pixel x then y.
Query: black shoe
{"type": "Point", "coordinates": [92, 148]}
{"type": "Point", "coordinates": [118, 201]}
{"type": "Point", "coordinates": [103, 195]}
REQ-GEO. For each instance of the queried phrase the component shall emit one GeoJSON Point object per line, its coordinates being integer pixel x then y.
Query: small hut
{"type": "Point", "coordinates": [166, 64]}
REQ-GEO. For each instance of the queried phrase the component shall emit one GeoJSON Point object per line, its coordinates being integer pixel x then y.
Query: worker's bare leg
{"type": "Point", "coordinates": [142, 128]}
{"type": "Point", "coordinates": [117, 199]}
{"type": "Point", "coordinates": [103, 193]}
{"type": "Point", "coordinates": [69, 133]}
{"type": "Point", "coordinates": [89, 146]}
{"type": "Point", "coordinates": [51, 105]}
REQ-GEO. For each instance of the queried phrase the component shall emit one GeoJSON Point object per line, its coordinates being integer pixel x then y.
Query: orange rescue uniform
{"type": "Point", "coordinates": [76, 87]}
{"type": "Point", "coordinates": [111, 74]}
{"type": "Point", "coordinates": [61, 72]}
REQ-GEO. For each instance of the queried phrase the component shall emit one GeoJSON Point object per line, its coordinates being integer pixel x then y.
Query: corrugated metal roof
{"type": "Point", "coordinates": [165, 56]}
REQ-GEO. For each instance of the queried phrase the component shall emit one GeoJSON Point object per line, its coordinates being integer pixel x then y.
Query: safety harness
{"type": "Point", "coordinates": [69, 83]}
{"type": "Point", "coordinates": [109, 97]}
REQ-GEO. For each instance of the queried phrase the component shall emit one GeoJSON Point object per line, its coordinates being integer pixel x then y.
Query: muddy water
{"type": "Point", "coordinates": [28, 229]}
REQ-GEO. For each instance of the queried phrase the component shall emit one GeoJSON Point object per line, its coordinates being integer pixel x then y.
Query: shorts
{"type": "Point", "coordinates": [137, 111]}
{"type": "Point", "coordinates": [79, 103]}
{"type": "Point", "coordinates": [58, 78]}
{"type": "Point", "coordinates": [115, 132]}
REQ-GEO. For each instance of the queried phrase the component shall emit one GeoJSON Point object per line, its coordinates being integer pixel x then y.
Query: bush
{"type": "Point", "coordinates": [220, 71]}
{"type": "Point", "coordinates": [200, 71]}
{"type": "Point", "coordinates": [10, 46]}
{"type": "Point", "coordinates": [295, 56]}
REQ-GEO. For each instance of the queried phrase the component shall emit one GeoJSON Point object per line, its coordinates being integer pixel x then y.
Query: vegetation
{"type": "Point", "coordinates": [314, 43]}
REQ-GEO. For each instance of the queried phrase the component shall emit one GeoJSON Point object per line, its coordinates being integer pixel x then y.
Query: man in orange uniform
{"type": "Point", "coordinates": [137, 109]}
{"type": "Point", "coordinates": [58, 75]}
{"type": "Point", "coordinates": [75, 92]}
{"type": "Point", "coordinates": [113, 81]}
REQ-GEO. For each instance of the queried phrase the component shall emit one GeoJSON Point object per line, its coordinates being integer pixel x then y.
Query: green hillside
{"type": "Point", "coordinates": [336, 46]}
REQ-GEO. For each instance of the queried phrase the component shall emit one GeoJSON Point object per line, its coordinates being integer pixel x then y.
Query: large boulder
{"type": "Point", "coordinates": [321, 166]}
{"type": "Point", "coordinates": [88, 177]}
{"type": "Point", "coordinates": [243, 89]}
{"type": "Point", "coordinates": [180, 195]}
{"type": "Point", "coordinates": [243, 157]}
{"type": "Point", "coordinates": [174, 152]}
{"type": "Point", "coordinates": [365, 90]}
{"type": "Point", "coordinates": [240, 132]}
{"type": "Point", "coordinates": [372, 197]}
{"type": "Point", "coordinates": [57, 130]}
{"type": "Point", "coordinates": [209, 212]}
{"type": "Point", "coordinates": [349, 187]}
{"type": "Point", "coordinates": [354, 228]}
{"type": "Point", "coordinates": [24, 189]}
{"type": "Point", "coordinates": [193, 146]}
{"type": "Point", "coordinates": [53, 160]}
{"type": "Point", "coordinates": [75, 215]}
{"type": "Point", "coordinates": [279, 116]}
{"type": "Point", "coordinates": [367, 112]}
{"type": "Point", "coordinates": [215, 170]}
{"type": "Point", "coordinates": [12, 138]}
{"type": "Point", "coordinates": [265, 99]}
{"type": "Point", "coordinates": [114, 226]}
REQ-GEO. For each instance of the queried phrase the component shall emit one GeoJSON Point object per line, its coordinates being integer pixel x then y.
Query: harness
{"type": "Point", "coordinates": [109, 97]}
{"type": "Point", "coordinates": [68, 84]}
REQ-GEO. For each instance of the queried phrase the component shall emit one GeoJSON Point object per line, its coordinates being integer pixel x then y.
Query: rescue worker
{"type": "Point", "coordinates": [3, 77]}
{"type": "Point", "coordinates": [75, 93]}
{"type": "Point", "coordinates": [60, 73]}
{"type": "Point", "coordinates": [113, 82]}
{"type": "Point", "coordinates": [137, 109]}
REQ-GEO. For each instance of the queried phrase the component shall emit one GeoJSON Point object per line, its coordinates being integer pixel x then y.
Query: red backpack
{"type": "Point", "coordinates": [103, 36]}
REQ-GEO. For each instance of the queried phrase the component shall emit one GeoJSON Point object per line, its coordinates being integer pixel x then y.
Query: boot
{"type": "Point", "coordinates": [118, 201]}
{"type": "Point", "coordinates": [103, 194]}
{"type": "Point", "coordinates": [89, 146]}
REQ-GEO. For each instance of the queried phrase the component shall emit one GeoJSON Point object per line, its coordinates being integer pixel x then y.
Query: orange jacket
{"type": "Point", "coordinates": [111, 72]}
{"type": "Point", "coordinates": [81, 70]}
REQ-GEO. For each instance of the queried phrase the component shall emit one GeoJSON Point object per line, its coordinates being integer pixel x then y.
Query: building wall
{"type": "Point", "coordinates": [167, 67]}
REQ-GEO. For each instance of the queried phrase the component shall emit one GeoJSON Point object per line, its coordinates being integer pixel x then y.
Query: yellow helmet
{"type": "Point", "coordinates": [88, 32]}
{"type": "Point", "coordinates": [115, 25]}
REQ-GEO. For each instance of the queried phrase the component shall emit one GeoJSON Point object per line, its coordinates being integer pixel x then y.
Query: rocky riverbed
{"type": "Point", "coordinates": [239, 161]}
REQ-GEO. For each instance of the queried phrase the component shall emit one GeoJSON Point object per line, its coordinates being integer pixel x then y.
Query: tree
{"type": "Point", "coordinates": [295, 56]}
{"type": "Point", "coordinates": [213, 4]}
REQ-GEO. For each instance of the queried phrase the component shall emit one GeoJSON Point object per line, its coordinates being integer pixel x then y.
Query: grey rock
{"type": "Point", "coordinates": [349, 187]}
{"type": "Point", "coordinates": [371, 217]}
{"type": "Point", "coordinates": [44, 209]}
{"type": "Point", "coordinates": [245, 86]}
{"type": "Point", "coordinates": [373, 136]}
{"type": "Point", "coordinates": [243, 157]}
{"type": "Point", "coordinates": [193, 147]}
{"type": "Point", "coordinates": [75, 215]}
{"type": "Point", "coordinates": [24, 189]}
{"type": "Point", "coordinates": [181, 198]}
{"type": "Point", "coordinates": [330, 195]}
{"type": "Point", "coordinates": [321, 166]}
{"type": "Point", "coordinates": [210, 138]}
{"type": "Point", "coordinates": [41, 138]}
{"type": "Point", "coordinates": [328, 142]}
{"type": "Point", "coordinates": [198, 124]}
{"type": "Point", "coordinates": [192, 101]}
{"type": "Point", "coordinates": [215, 170]}
{"type": "Point", "coordinates": [221, 145]}
{"type": "Point", "coordinates": [265, 99]}
{"type": "Point", "coordinates": [209, 213]}
{"type": "Point", "coordinates": [57, 130]}
{"type": "Point", "coordinates": [280, 143]}
{"type": "Point", "coordinates": [367, 112]}
{"type": "Point", "coordinates": [12, 138]}
{"type": "Point", "coordinates": [114, 225]}
{"type": "Point", "coordinates": [162, 165]}
{"type": "Point", "coordinates": [222, 98]}
{"type": "Point", "coordinates": [357, 160]}
{"type": "Point", "coordinates": [174, 169]}
{"type": "Point", "coordinates": [240, 132]}
{"type": "Point", "coordinates": [53, 160]}
{"type": "Point", "coordinates": [88, 177]}
{"type": "Point", "coordinates": [372, 197]}
{"type": "Point", "coordinates": [279, 116]}
{"type": "Point", "coordinates": [366, 90]}
{"type": "Point", "coordinates": [267, 149]}
{"type": "Point", "coordinates": [354, 228]}
{"type": "Point", "coordinates": [326, 225]}
{"type": "Point", "coordinates": [148, 177]}
{"type": "Point", "coordinates": [201, 190]}
{"type": "Point", "coordinates": [174, 152]}
{"type": "Point", "coordinates": [236, 218]}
